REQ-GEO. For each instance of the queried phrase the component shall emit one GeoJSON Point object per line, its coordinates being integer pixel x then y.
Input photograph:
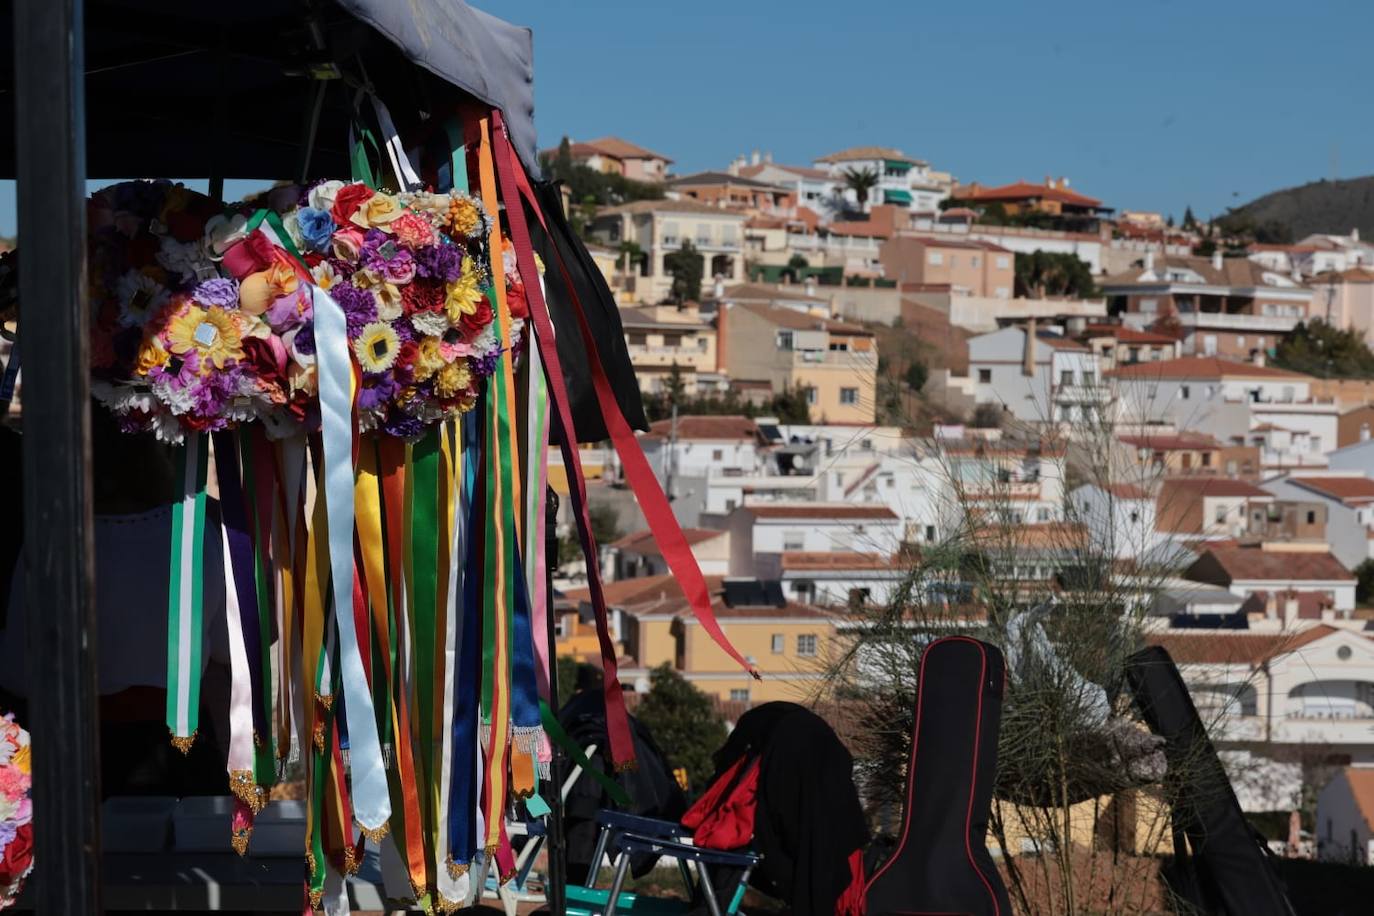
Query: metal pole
{"type": "Point", "coordinates": [554, 890]}
{"type": "Point", "coordinates": [50, 147]}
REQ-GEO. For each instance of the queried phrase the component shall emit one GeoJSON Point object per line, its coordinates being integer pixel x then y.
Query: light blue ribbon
{"type": "Point", "coordinates": [371, 802]}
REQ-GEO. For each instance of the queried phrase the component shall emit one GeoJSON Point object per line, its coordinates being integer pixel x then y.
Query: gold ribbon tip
{"type": "Point", "coordinates": [183, 744]}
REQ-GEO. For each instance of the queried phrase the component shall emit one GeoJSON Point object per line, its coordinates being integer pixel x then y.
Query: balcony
{"type": "Point", "coordinates": [1013, 490]}
{"type": "Point", "coordinates": [686, 357]}
{"type": "Point", "coordinates": [1275, 324]}
{"type": "Point", "coordinates": [1083, 394]}
{"type": "Point", "coordinates": [1272, 458]}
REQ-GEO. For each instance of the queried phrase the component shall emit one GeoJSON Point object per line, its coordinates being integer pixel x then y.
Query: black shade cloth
{"type": "Point", "coordinates": [653, 791]}
{"type": "Point", "coordinates": [941, 863]}
{"type": "Point", "coordinates": [1223, 868]}
{"type": "Point", "coordinates": [178, 89]}
{"type": "Point", "coordinates": [808, 821]}
{"type": "Point", "coordinates": [603, 316]}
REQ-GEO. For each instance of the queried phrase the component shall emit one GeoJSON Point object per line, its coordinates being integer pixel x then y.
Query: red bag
{"type": "Point", "coordinates": [723, 818]}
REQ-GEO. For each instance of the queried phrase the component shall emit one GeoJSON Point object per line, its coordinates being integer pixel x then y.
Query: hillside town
{"type": "Point", "coordinates": [861, 368]}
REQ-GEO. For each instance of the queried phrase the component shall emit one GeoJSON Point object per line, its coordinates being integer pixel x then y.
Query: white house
{"type": "Point", "coordinates": [1345, 817]}
{"type": "Point", "coordinates": [835, 578]}
{"type": "Point", "coordinates": [1120, 518]}
{"type": "Point", "coordinates": [1358, 457]}
{"type": "Point", "coordinates": [705, 446]}
{"type": "Point", "coordinates": [788, 527]}
{"type": "Point", "coordinates": [1289, 584]}
{"type": "Point", "coordinates": [1349, 498]}
{"type": "Point", "coordinates": [1308, 684]}
{"type": "Point", "coordinates": [901, 180]}
{"type": "Point", "coordinates": [1240, 403]}
{"type": "Point", "coordinates": [1038, 376]}
{"type": "Point", "coordinates": [639, 554]}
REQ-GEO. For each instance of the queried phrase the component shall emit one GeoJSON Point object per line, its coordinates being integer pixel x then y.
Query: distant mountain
{"type": "Point", "coordinates": [1322, 206]}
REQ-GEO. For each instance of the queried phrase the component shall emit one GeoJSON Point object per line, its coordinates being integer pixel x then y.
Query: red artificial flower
{"type": "Point", "coordinates": [347, 202]}
{"type": "Point", "coordinates": [472, 325]}
{"type": "Point", "coordinates": [18, 855]}
{"type": "Point", "coordinates": [404, 368]}
{"type": "Point", "coordinates": [268, 361]}
{"type": "Point", "coordinates": [422, 295]}
{"type": "Point", "coordinates": [515, 299]}
{"type": "Point", "coordinates": [250, 255]}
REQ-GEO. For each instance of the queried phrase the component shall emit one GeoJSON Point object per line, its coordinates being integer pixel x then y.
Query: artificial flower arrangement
{"type": "Point", "coordinates": [16, 810]}
{"type": "Point", "coordinates": [204, 318]}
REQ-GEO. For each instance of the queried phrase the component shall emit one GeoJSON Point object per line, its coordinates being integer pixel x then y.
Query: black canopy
{"type": "Point", "coordinates": [229, 88]}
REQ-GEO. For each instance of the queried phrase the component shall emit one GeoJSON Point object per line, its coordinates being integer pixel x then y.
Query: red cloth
{"type": "Point", "coordinates": [852, 901]}
{"type": "Point", "coordinates": [723, 818]}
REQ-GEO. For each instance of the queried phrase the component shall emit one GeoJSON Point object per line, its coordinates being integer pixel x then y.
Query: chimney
{"type": "Point", "coordinates": [1028, 356]}
{"type": "Point", "coordinates": [811, 286]}
{"type": "Point", "coordinates": [1150, 259]}
{"type": "Point", "coordinates": [754, 158]}
{"type": "Point", "coordinates": [1364, 432]}
{"type": "Point", "coordinates": [1355, 234]}
{"type": "Point", "coordinates": [1290, 608]}
{"type": "Point", "coordinates": [1049, 181]}
{"type": "Point", "coordinates": [1063, 182]}
{"type": "Point", "coordinates": [1216, 260]}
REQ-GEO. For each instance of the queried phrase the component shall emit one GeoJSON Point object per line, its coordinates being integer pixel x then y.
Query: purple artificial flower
{"type": "Point", "coordinates": [376, 391]}
{"type": "Point", "coordinates": [439, 262]}
{"type": "Point", "coordinates": [485, 364]}
{"type": "Point", "coordinates": [304, 341]}
{"type": "Point", "coordinates": [221, 291]}
{"type": "Point", "coordinates": [402, 425]}
{"type": "Point", "coordinates": [344, 269]}
{"type": "Point", "coordinates": [359, 306]}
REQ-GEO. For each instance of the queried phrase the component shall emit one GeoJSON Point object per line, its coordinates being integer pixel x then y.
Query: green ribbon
{"type": "Point", "coordinates": [358, 160]}
{"type": "Point", "coordinates": [424, 539]}
{"type": "Point", "coordinates": [185, 592]}
{"type": "Point", "coordinates": [561, 738]}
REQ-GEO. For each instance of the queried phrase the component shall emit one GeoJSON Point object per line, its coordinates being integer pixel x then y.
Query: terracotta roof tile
{"type": "Point", "coordinates": [1256, 565]}
{"type": "Point", "coordinates": [614, 147]}
{"type": "Point", "coordinates": [1201, 367]}
{"type": "Point", "coordinates": [729, 428]}
{"type": "Point", "coordinates": [1171, 441]}
{"type": "Point", "coordinates": [1127, 491]}
{"type": "Point", "coordinates": [1353, 490]}
{"type": "Point", "coordinates": [834, 559]}
{"type": "Point", "coordinates": [1128, 335]}
{"type": "Point", "coordinates": [1233, 648]}
{"type": "Point", "coordinates": [670, 206]}
{"type": "Point", "coordinates": [839, 511]}
{"type": "Point", "coordinates": [1022, 190]}
{"type": "Point", "coordinates": [1214, 486]}
{"type": "Point", "coordinates": [786, 317]}
{"type": "Point", "coordinates": [804, 171]}
{"type": "Point", "coordinates": [744, 292]}
{"type": "Point", "coordinates": [663, 596]}
{"type": "Point", "coordinates": [855, 153]}
{"type": "Point", "coordinates": [644, 542]}
{"type": "Point", "coordinates": [1361, 780]}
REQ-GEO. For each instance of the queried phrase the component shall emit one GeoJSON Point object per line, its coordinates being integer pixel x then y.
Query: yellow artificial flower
{"type": "Point", "coordinates": [452, 379]}
{"type": "Point", "coordinates": [212, 333]}
{"type": "Point", "coordinates": [324, 275]}
{"type": "Point", "coordinates": [151, 355]}
{"type": "Point", "coordinates": [378, 212]}
{"type": "Point", "coordinates": [21, 760]}
{"type": "Point", "coordinates": [463, 217]}
{"type": "Point", "coordinates": [376, 347]}
{"type": "Point", "coordinates": [389, 301]}
{"type": "Point", "coordinates": [462, 295]}
{"type": "Point", "coordinates": [430, 359]}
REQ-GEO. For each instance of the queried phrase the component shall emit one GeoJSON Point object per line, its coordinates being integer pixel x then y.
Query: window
{"type": "Point", "coordinates": [560, 626]}
{"type": "Point", "coordinates": [936, 259]}
{"type": "Point", "coordinates": [930, 533]}
{"type": "Point", "coordinates": [985, 376]}
{"type": "Point", "coordinates": [1045, 514]}
{"type": "Point", "coordinates": [806, 645]}
{"type": "Point", "coordinates": [811, 396]}
{"type": "Point", "coordinates": [1066, 377]}
{"type": "Point", "coordinates": [975, 260]}
{"type": "Point", "coordinates": [849, 395]}
{"type": "Point", "coordinates": [1003, 262]}
{"type": "Point", "coordinates": [1184, 391]}
{"type": "Point", "coordinates": [784, 340]}
{"type": "Point", "coordinates": [702, 344]}
{"type": "Point", "coordinates": [717, 454]}
{"type": "Point", "coordinates": [1135, 516]}
{"type": "Point", "coordinates": [1132, 354]}
{"type": "Point", "coordinates": [740, 695]}
{"type": "Point", "coordinates": [779, 643]}
{"type": "Point", "coordinates": [1206, 458]}
{"type": "Point", "coordinates": [730, 505]}
{"type": "Point", "coordinates": [794, 540]}
{"type": "Point", "coordinates": [1221, 515]}
{"type": "Point", "coordinates": [1311, 518]}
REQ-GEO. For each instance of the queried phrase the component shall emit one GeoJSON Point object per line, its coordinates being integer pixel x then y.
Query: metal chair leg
{"type": "Point", "coordinates": [598, 853]}
{"type": "Point", "coordinates": [622, 866]}
{"type": "Point", "coordinates": [707, 889]}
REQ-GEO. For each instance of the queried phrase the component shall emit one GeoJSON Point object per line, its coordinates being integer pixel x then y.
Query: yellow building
{"type": "Point", "coordinates": [787, 642]}
{"type": "Point", "coordinates": [659, 337]}
{"type": "Point", "coordinates": [836, 361]}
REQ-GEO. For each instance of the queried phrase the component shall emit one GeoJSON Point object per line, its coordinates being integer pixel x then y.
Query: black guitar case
{"type": "Point", "coordinates": [941, 864]}
{"type": "Point", "coordinates": [1221, 867]}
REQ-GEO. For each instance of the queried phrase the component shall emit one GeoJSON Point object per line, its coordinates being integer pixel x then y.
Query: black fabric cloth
{"type": "Point", "coordinates": [653, 791]}
{"type": "Point", "coordinates": [12, 527]}
{"type": "Point", "coordinates": [560, 248]}
{"type": "Point", "coordinates": [808, 821]}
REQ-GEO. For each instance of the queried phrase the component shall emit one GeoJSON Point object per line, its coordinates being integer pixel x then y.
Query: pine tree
{"type": "Point", "coordinates": [684, 722]}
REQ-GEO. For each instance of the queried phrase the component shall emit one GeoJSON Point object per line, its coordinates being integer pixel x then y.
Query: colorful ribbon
{"type": "Point", "coordinates": [186, 594]}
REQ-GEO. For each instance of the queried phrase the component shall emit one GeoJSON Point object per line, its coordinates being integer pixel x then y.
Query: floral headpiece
{"type": "Point", "coordinates": [16, 810]}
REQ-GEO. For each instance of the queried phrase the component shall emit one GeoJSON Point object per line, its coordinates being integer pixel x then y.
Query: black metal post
{"type": "Point", "coordinates": [50, 148]}
{"type": "Point", "coordinates": [555, 889]}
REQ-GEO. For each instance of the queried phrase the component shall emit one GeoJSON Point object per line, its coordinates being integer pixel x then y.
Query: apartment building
{"type": "Point", "coordinates": [1120, 518]}
{"type": "Point", "coordinates": [966, 267]}
{"type": "Point", "coordinates": [1053, 200]}
{"type": "Point", "coordinates": [661, 338]}
{"type": "Point", "coordinates": [775, 528]}
{"type": "Point", "coordinates": [637, 555]}
{"type": "Point", "coordinates": [1231, 307]}
{"type": "Point", "coordinates": [660, 228]}
{"type": "Point", "coordinates": [1313, 579]}
{"type": "Point", "coordinates": [703, 446]}
{"type": "Point", "coordinates": [1207, 508]}
{"type": "Point", "coordinates": [1347, 500]}
{"type": "Point", "coordinates": [1122, 345]}
{"type": "Point", "coordinates": [835, 362]}
{"type": "Point", "coordinates": [1345, 299]}
{"type": "Point", "coordinates": [1014, 481]}
{"type": "Point", "coordinates": [811, 188]}
{"type": "Point", "coordinates": [901, 180]}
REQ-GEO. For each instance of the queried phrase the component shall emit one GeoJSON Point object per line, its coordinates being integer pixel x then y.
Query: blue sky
{"type": "Point", "coordinates": [1153, 104]}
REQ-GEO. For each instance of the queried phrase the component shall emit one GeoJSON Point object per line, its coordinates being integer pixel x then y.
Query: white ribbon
{"type": "Point", "coordinates": [400, 162]}
{"type": "Point", "coordinates": [371, 801]}
{"type": "Point", "coordinates": [451, 889]}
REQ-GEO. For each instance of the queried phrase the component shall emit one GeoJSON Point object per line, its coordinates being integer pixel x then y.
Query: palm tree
{"type": "Point", "coordinates": [861, 182]}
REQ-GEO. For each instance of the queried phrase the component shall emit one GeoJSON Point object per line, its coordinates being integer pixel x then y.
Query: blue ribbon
{"type": "Point", "coordinates": [466, 785]}
{"type": "Point", "coordinates": [371, 801]}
